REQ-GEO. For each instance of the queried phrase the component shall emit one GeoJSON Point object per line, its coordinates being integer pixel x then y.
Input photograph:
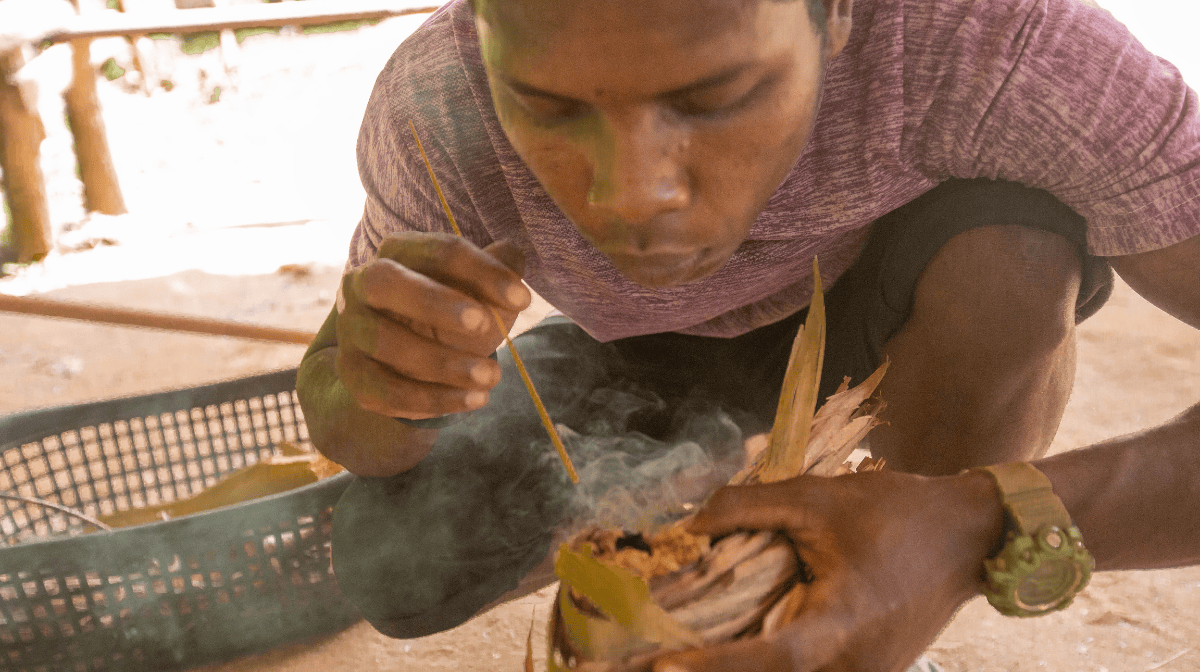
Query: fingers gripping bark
{"type": "Point", "coordinates": [418, 324]}
{"type": "Point", "coordinates": [891, 557]}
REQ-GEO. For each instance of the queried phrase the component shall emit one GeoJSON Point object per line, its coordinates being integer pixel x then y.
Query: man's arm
{"type": "Point", "coordinates": [1137, 498]}
{"type": "Point", "coordinates": [344, 431]}
{"type": "Point", "coordinates": [895, 555]}
{"type": "Point", "coordinates": [412, 342]}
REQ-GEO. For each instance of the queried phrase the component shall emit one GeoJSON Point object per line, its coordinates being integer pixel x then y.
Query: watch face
{"type": "Point", "coordinates": [1054, 580]}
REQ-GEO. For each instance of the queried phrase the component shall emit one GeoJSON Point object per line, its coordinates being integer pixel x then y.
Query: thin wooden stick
{"type": "Point", "coordinates": [537, 399]}
{"type": "Point", "coordinates": [57, 507]}
{"type": "Point", "coordinates": [140, 318]}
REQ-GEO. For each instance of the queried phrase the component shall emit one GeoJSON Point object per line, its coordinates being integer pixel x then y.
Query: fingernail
{"type": "Point", "coordinates": [481, 374]}
{"type": "Point", "coordinates": [472, 318]}
{"type": "Point", "coordinates": [475, 400]}
{"type": "Point", "coordinates": [516, 294]}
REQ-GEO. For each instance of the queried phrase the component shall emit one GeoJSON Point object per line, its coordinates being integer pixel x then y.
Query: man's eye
{"type": "Point", "coordinates": [552, 109]}
{"type": "Point", "coordinates": [721, 101]}
{"type": "Point", "coordinates": [704, 105]}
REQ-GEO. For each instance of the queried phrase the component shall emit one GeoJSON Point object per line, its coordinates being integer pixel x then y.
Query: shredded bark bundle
{"type": "Point", "coordinates": [625, 597]}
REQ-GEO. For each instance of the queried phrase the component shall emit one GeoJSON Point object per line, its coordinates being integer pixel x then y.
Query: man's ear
{"type": "Point", "coordinates": [837, 26]}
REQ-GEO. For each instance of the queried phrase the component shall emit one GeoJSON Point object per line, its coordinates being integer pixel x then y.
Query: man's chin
{"type": "Point", "coordinates": [666, 276]}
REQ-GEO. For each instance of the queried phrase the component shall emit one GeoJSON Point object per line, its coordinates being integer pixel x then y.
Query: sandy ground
{"type": "Point", "coordinates": [224, 194]}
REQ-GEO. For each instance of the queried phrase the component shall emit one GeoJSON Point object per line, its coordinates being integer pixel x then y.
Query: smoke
{"type": "Point", "coordinates": [644, 462]}
{"type": "Point", "coordinates": [424, 550]}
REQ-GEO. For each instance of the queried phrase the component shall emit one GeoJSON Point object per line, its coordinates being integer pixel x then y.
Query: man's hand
{"type": "Point", "coordinates": [893, 556]}
{"type": "Point", "coordinates": [417, 327]}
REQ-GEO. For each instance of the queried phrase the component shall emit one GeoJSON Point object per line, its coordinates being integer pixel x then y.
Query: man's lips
{"type": "Point", "coordinates": [658, 269]}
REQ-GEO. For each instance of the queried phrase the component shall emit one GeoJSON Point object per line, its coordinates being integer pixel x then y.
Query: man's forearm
{"type": "Point", "coordinates": [366, 443]}
{"type": "Point", "coordinates": [1136, 498]}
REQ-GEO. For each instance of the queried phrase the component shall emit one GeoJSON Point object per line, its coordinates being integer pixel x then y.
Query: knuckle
{"type": "Point", "coordinates": [375, 279]}
{"type": "Point", "coordinates": [445, 252]}
{"type": "Point", "coordinates": [393, 245]}
{"type": "Point", "coordinates": [349, 287]}
{"type": "Point", "coordinates": [418, 400]}
{"type": "Point", "coordinates": [357, 332]}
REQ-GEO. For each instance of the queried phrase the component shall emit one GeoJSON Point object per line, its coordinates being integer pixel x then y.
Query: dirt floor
{"type": "Point", "coordinates": [223, 194]}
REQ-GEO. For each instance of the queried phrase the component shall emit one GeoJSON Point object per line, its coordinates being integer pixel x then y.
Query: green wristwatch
{"type": "Point", "coordinates": [1043, 564]}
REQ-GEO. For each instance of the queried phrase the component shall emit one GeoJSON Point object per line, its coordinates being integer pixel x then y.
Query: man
{"type": "Point", "coordinates": [663, 172]}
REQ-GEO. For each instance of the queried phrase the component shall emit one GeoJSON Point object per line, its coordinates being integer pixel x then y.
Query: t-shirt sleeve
{"type": "Point", "coordinates": [400, 192]}
{"type": "Point", "coordinates": [1060, 96]}
{"type": "Point", "coordinates": [423, 83]}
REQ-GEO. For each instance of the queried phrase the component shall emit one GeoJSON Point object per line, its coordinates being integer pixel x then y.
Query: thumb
{"type": "Point", "coordinates": [509, 255]}
{"type": "Point", "coordinates": [766, 506]}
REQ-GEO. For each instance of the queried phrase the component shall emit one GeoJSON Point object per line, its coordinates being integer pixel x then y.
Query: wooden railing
{"type": "Point", "coordinates": [21, 130]}
{"type": "Point", "coordinates": [309, 12]}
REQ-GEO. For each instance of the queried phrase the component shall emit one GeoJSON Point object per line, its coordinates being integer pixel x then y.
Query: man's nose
{"type": "Point", "coordinates": [639, 168]}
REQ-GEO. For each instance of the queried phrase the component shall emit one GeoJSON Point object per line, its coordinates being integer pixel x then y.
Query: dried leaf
{"type": "Point", "coordinates": [784, 456]}
{"type": "Point", "coordinates": [831, 420]}
{"type": "Point", "coordinates": [630, 616]}
{"type": "Point", "coordinates": [833, 460]}
{"type": "Point", "coordinates": [324, 467]}
{"type": "Point", "coordinates": [269, 477]}
{"type": "Point", "coordinates": [289, 449]}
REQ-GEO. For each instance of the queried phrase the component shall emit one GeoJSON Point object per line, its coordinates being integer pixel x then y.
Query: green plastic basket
{"type": "Point", "coordinates": [173, 594]}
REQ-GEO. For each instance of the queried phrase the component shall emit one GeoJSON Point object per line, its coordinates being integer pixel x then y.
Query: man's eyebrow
{"type": "Point", "coordinates": [527, 90]}
{"type": "Point", "coordinates": [708, 82]}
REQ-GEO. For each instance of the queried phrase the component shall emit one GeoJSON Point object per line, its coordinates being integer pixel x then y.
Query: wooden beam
{"type": "Point", "coordinates": [115, 24]}
{"type": "Point", "coordinates": [140, 318]}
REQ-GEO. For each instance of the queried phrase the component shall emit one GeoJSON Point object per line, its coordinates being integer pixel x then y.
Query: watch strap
{"type": "Point", "coordinates": [1028, 497]}
{"type": "Point", "coordinates": [1041, 563]}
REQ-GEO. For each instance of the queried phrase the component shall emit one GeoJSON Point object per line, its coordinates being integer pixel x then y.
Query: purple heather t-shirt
{"type": "Point", "coordinates": [1049, 93]}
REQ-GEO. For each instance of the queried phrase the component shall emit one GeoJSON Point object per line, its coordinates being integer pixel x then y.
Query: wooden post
{"type": "Point", "coordinates": [21, 135]}
{"type": "Point", "coordinates": [134, 42]}
{"type": "Point", "coordinates": [101, 190]}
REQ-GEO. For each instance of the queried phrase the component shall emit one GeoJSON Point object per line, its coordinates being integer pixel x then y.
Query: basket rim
{"type": "Point", "coordinates": [337, 481]}
{"type": "Point", "coordinates": [21, 427]}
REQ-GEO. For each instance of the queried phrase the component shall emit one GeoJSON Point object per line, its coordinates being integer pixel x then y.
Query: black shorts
{"type": "Point", "coordinates": [423, 551]}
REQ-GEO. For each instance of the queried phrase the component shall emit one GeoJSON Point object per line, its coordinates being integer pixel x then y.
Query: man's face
{"type": "Point", "coordinates": [659, 127]}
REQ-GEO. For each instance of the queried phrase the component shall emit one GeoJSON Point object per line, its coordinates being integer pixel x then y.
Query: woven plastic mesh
{"type": "Point", "coordinates": [166, 595]}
